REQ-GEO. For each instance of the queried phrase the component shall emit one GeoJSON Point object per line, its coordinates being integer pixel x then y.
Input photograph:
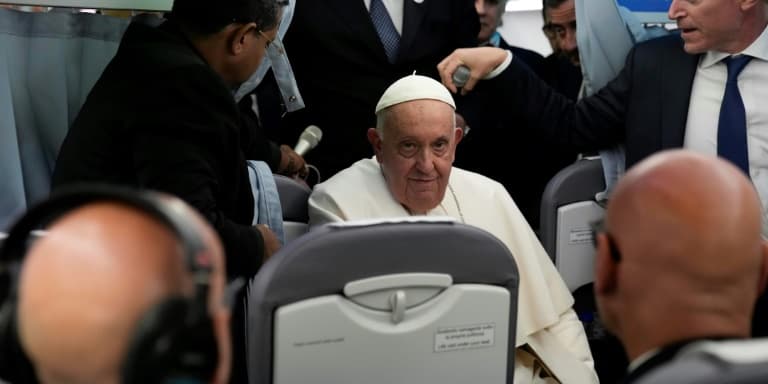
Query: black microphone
{"type": "Point", "coordinates": [308, 139]}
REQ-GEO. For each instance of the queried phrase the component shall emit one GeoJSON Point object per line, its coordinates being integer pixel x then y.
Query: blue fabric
{"type": "Point", "coordinates": [732, 126]}
{"type": "Point", "coordinates": [277, 59]}
{"type": "Point", "coordinates": [386, 29]}
{"type": "Point", "coordinates": [266, 207]}
{"type": "Point", "coordinates": [605, 34]}
{"type": "Point", "coordinates": [48, 64]}
{"type": "Point", "coordinates": [495, 39]}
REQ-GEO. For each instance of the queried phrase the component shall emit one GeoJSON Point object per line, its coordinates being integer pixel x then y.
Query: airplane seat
{"type": "Point", "coordinates": [294, 201]}
{"type": "Point", "coordinates": [48, 63]}
{"type": "Point", "coordinates": [396, 301]}
{"type": "Point", "coordinates": [710, 362]}
{"type": "Point", "coordinates": [568, 207]}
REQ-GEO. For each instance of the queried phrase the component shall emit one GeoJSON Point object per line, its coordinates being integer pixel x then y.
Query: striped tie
{"type": "Point", "coordinates": [386, 29]}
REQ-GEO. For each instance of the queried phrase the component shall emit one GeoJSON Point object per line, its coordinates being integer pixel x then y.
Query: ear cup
{"type": "Point", "coordinates": [14, 366]}
{"type": "Point", "coordinates": [6, 314]}
{"type": "Point", "coordinates": [174, 341]}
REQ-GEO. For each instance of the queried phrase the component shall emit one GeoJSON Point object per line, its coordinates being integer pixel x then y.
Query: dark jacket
{"type": "Point", "coordinates": [160, 118]}
{"type": "Point", "coordinates": [645, 107]}
{"type": "Point", "coordinates": [562, 75]}
{"type": "Point", "coordinates": [500, 145]}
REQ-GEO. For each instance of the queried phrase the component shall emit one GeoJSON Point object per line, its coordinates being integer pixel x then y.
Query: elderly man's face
{"type": "Point", "coordinates": [708, 24]}
{"type": "Point", "coordinates": [416, 152]}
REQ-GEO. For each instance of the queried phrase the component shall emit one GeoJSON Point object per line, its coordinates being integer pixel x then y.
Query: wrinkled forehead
{"type": "Point", "coordinates": [421, 118]}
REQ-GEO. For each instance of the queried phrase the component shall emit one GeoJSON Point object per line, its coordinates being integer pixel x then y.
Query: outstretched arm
{"type": "Point", "coordinates": [482, 62]}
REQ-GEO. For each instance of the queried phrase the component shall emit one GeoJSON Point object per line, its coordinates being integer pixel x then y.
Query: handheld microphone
{"type": "Point", "coordinates": [461, 76]}
{"type": "Point", "coordinates": [308, 139]}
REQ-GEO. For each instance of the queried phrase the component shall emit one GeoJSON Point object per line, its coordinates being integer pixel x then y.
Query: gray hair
{"type": "Point", "coordinates": [381, 120]}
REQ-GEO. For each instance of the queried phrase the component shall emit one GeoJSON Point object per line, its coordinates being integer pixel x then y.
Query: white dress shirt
{"type": "Point", "coordinates": [704, 110]}
{"type": "Point", "coordinates": [395, 9]}
{"type": "Point", "coordinates": [640, 360]}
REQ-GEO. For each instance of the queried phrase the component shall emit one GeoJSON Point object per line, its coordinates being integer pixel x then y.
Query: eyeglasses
{"type": "Point", "coordinates": [598, 226]}
{"type": "Point", "coordinates": [558, 30]}
{"type": "Point", "coordinates": [269, 41]}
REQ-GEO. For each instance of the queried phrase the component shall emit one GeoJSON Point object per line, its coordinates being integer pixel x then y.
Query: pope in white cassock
{"type": "Point", "coordinates": [412, 174]}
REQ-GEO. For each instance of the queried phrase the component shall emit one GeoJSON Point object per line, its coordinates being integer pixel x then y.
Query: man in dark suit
{"type": "Point", "coordinates": [343, 67]}
{"type": "Point", "coordinates": [162, 116]}
{"type": "Point", "coordinates": [675, 265]}
{"type": "Point", "coordinates": [647, 106]}
{"type": "Point", "coordinates": [677, 91]}
{"type": "Point", "coordinates": [491, 135]}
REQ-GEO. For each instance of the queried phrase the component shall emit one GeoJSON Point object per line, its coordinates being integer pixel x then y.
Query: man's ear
{"type": "Point", "coordinates": [238, 37]}
{"type": "Point", "coordinates": [605, 267]}
{"type": "Point", "coordinates": [375, 140]}
{"type": "Point", "coordinates": [746, 5]}
{"type": "Point", "coordinates": [763, 282]}
{"type": "Point", "coordinates": [458, 134]}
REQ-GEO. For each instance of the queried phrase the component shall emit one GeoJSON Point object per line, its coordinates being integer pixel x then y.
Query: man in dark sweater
{"type": "Point", "coordinates": [162, 117]}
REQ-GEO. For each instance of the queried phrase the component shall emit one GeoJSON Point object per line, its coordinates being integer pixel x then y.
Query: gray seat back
{"type": "Point", "coordinates": [294, 200]}
{"type": "Point", "coordinates": [711, 362]}
{"type": "Point", "coordinates": [567, 208]}
{"type": "Point", "coordinates": [326, 259]}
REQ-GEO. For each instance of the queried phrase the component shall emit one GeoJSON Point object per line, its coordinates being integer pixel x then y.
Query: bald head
{"type": "Point", "coordinates": [688, 228]}
{"type": "Point", "coordinates": [86, 284]}
{"type": "Point", "coordinates": [695, 204]}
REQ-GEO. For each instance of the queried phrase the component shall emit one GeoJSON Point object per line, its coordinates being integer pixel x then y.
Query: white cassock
{"type": "Point", "coordinates": [546, 322]}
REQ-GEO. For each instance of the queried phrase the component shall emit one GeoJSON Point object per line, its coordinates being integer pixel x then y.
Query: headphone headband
{"type": "Point", "coordinates": [68, 198]}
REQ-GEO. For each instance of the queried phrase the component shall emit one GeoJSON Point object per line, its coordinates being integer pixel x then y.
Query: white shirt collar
{"type": "Point", "coordinates": [758, 49]}
{"type": "Point", "coordinates": [638, 361]}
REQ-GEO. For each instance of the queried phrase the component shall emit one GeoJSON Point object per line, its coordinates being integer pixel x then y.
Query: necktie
{"type": "Point", "coordinates": [732, 126]}
{"type": "Point", "coordinates": [385, 28]}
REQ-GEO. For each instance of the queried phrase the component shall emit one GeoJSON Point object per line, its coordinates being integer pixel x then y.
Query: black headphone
{"type": "Point", "coordinates": [174, 341]}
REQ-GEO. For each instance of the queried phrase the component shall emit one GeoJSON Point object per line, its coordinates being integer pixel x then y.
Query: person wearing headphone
{"type": "Point", "coordinates": [123, 287]}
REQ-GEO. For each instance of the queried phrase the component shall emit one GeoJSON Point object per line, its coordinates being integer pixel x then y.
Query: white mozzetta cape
{"type": "Point", "coordinates": [545, 322]}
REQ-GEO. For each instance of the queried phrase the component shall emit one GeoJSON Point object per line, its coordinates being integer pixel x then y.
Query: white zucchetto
{"type": "Point", "coordinates": [414, 87]}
